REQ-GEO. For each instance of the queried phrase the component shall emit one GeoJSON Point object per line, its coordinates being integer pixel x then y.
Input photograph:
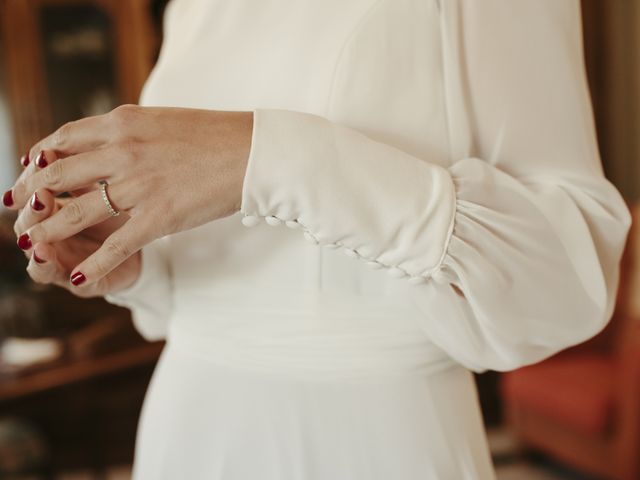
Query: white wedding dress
{"type": "Point", "coordinates": [423, 199]}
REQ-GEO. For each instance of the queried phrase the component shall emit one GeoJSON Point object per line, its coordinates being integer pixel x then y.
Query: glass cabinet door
{"type": "Point", "coordinates": [68, 59]}
{"type": "Point", "coordinates": [79, 61]}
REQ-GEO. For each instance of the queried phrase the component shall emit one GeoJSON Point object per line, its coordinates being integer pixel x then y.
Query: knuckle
{"type": "Point", "coordinates": [73, 213]}
{"type": "Point", "coordinates": [99, 267]}
{"type": "Point", "coordinates": [122, 120]}
{"type": "Point", "coordinates": [117, 249]}
{"type": "Point", "coordinates": [20, 192]}
{"type": "Point", "coordinates": [123, 114]}
{"type": "Point", "coordinates": [37, 233]}
{"type": "Point", "coordinates": [53, 175]}
{"type": "Point", "coordinates": [114, 250]}
{"type": "Point", "coordinates": [61, 135]}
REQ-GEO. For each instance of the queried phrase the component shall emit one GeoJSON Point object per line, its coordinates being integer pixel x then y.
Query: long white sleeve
{"type": "Point", "coordinates": [523, 222]}
{"type": "Point", "coordinates": [150, 297]}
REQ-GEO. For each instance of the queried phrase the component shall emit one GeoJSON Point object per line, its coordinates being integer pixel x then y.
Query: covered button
{"type": "Point", "coordinates": [365, 251]}
{"type": "Point", "coordinates": [250, 220]}
{"type": "Point", "coordinates": [351, 253]}
{"type": "Point", "coordinates": [273, 221]}
{"type": "Point", "coordinates": [293, 224]}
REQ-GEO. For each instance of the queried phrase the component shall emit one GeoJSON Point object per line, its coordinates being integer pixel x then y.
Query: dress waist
{"type": "Point", "coordinates": [308, 335]}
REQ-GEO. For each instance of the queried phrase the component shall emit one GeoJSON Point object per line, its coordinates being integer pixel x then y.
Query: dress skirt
{"type": "Point", "coordinates": [206, 417]}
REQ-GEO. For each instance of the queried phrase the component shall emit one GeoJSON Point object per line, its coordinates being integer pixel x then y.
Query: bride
{"type": "Point", "coordinates": [440, 160]}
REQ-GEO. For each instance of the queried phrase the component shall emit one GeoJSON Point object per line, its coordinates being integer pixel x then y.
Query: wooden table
{"type": "Point", "coordinates": [67, 372]}
{"type": "Point", "coordinates": [87, 409]}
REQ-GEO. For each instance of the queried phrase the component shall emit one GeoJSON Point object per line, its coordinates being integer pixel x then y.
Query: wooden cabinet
{"type": "Point", "coordinates": [612, 53]}
{"type": "Point", "coordinates": [66, 59]}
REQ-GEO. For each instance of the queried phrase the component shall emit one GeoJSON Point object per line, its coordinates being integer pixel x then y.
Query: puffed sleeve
{"type": "Point", "coordinates": [512, 252]}
{"type": "Point", "coordinates": [150, 297]}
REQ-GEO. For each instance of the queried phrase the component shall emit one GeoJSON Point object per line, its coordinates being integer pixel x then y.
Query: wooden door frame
{"type": "Point", "coordinates": [27, 92]}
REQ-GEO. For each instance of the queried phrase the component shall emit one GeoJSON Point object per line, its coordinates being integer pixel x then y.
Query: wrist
{"type": "Point", "coordinates": [246, 135]}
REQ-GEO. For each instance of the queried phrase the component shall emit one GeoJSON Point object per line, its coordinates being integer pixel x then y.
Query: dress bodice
{"type": "Point", "coordinates": [440, 143]}
{"type": "Point", "coordinates": [352, 64]}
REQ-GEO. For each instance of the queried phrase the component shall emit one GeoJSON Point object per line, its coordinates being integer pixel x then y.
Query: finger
{"type": "Point", "coordinates": [8, 198]}
{"type": "Point", "coordinates": [74, 216]}
{"type": "Point", "coordinates": [28, 171]}
{"type": "Point", "coordinates": [118, 246]}
{"type": "Point", "coordinates": [44, 266]}
{"type": "Point", "coordinates": [42, 160]}
{"type": "Point", "coordinates": [113, 281]}
{"type": "Point", "coordinates": [65, 175]}
{"type": "Point", "coordinates": [74, 137]}
{"type": "Point", "coordinates": [41, 206]}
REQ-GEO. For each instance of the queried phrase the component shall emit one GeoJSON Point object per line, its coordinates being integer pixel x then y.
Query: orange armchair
{"type": "Point", "coordinates": [582, 406]}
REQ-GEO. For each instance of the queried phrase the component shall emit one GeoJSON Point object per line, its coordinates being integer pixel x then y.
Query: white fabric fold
{"type": "Point", "coordinates": [150, 297]}
{"type": "Point", "coordinates": [345, 188]}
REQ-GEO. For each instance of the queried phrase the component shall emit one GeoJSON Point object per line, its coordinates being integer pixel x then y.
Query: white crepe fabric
{"type": "Point", "coordinates": [423, 199]}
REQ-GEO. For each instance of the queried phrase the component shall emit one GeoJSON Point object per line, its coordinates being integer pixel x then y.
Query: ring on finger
{"type": "Point", "coordinates": [105, 197]}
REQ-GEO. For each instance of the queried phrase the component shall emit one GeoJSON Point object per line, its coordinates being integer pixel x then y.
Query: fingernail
{"type": "Point", "coordinates": [37, 258]}
{"type": "Point", "coordinates": [41, 160]}
{"type": "Point", "coordinates": [25, 160]}
{"type": "Point", "coordinates": [24, 242]}
{"type": "Point", "coordinates": [7, 198]}
{"type": "Point", "coordinates": [78, 278]}
{"type": "Point", "coordinates": [35, 203]}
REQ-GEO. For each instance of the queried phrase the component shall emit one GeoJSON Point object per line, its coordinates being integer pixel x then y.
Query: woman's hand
{"type": "Point", "coordinates": [53, 262]}
{"type": "Point", "coordinates": [168, 169]}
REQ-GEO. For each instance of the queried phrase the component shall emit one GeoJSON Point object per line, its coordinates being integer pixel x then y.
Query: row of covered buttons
{"type": "Point", "coordinates": [396, 272]}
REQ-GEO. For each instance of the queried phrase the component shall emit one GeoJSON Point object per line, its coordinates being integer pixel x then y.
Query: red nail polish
{"type": "Point", "coordinates": [7, 198]}
{"type": "Point", "coordinates": [25, 160]}
{"type": "Point", "coordinates": [24, 242]}
{"type": "Point", "coordinates": [78, 278]}
{"type": "Point", "coordinates": [37, 258]}
{"type": "Point", "coordinates": [35, 203]}
{"type": "Point", "coordinates": [41, 160]}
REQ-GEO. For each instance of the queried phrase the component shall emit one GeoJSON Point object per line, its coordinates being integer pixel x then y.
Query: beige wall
{"type": "Point", "coordinates": [8, 165]}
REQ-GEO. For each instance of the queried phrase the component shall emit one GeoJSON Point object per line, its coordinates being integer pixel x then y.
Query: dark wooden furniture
{"type": "Point", "coordinates": [612, 53]}
{"type": "Point", "coordinates": [68, 372]}
{"type": "Point", "coordinates": [66, 59]}
{"type": "Point", "coordinates": [62, 60]}
{"type": "Point", "coordinates": [87, 409]}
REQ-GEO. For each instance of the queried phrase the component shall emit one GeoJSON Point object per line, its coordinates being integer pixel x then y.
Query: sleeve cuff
{"type": "Point", "coordinates": [344, 189]}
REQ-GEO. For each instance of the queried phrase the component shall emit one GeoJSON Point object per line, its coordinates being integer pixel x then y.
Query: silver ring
{"type": "Point", "coordinates": [103, 190]}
